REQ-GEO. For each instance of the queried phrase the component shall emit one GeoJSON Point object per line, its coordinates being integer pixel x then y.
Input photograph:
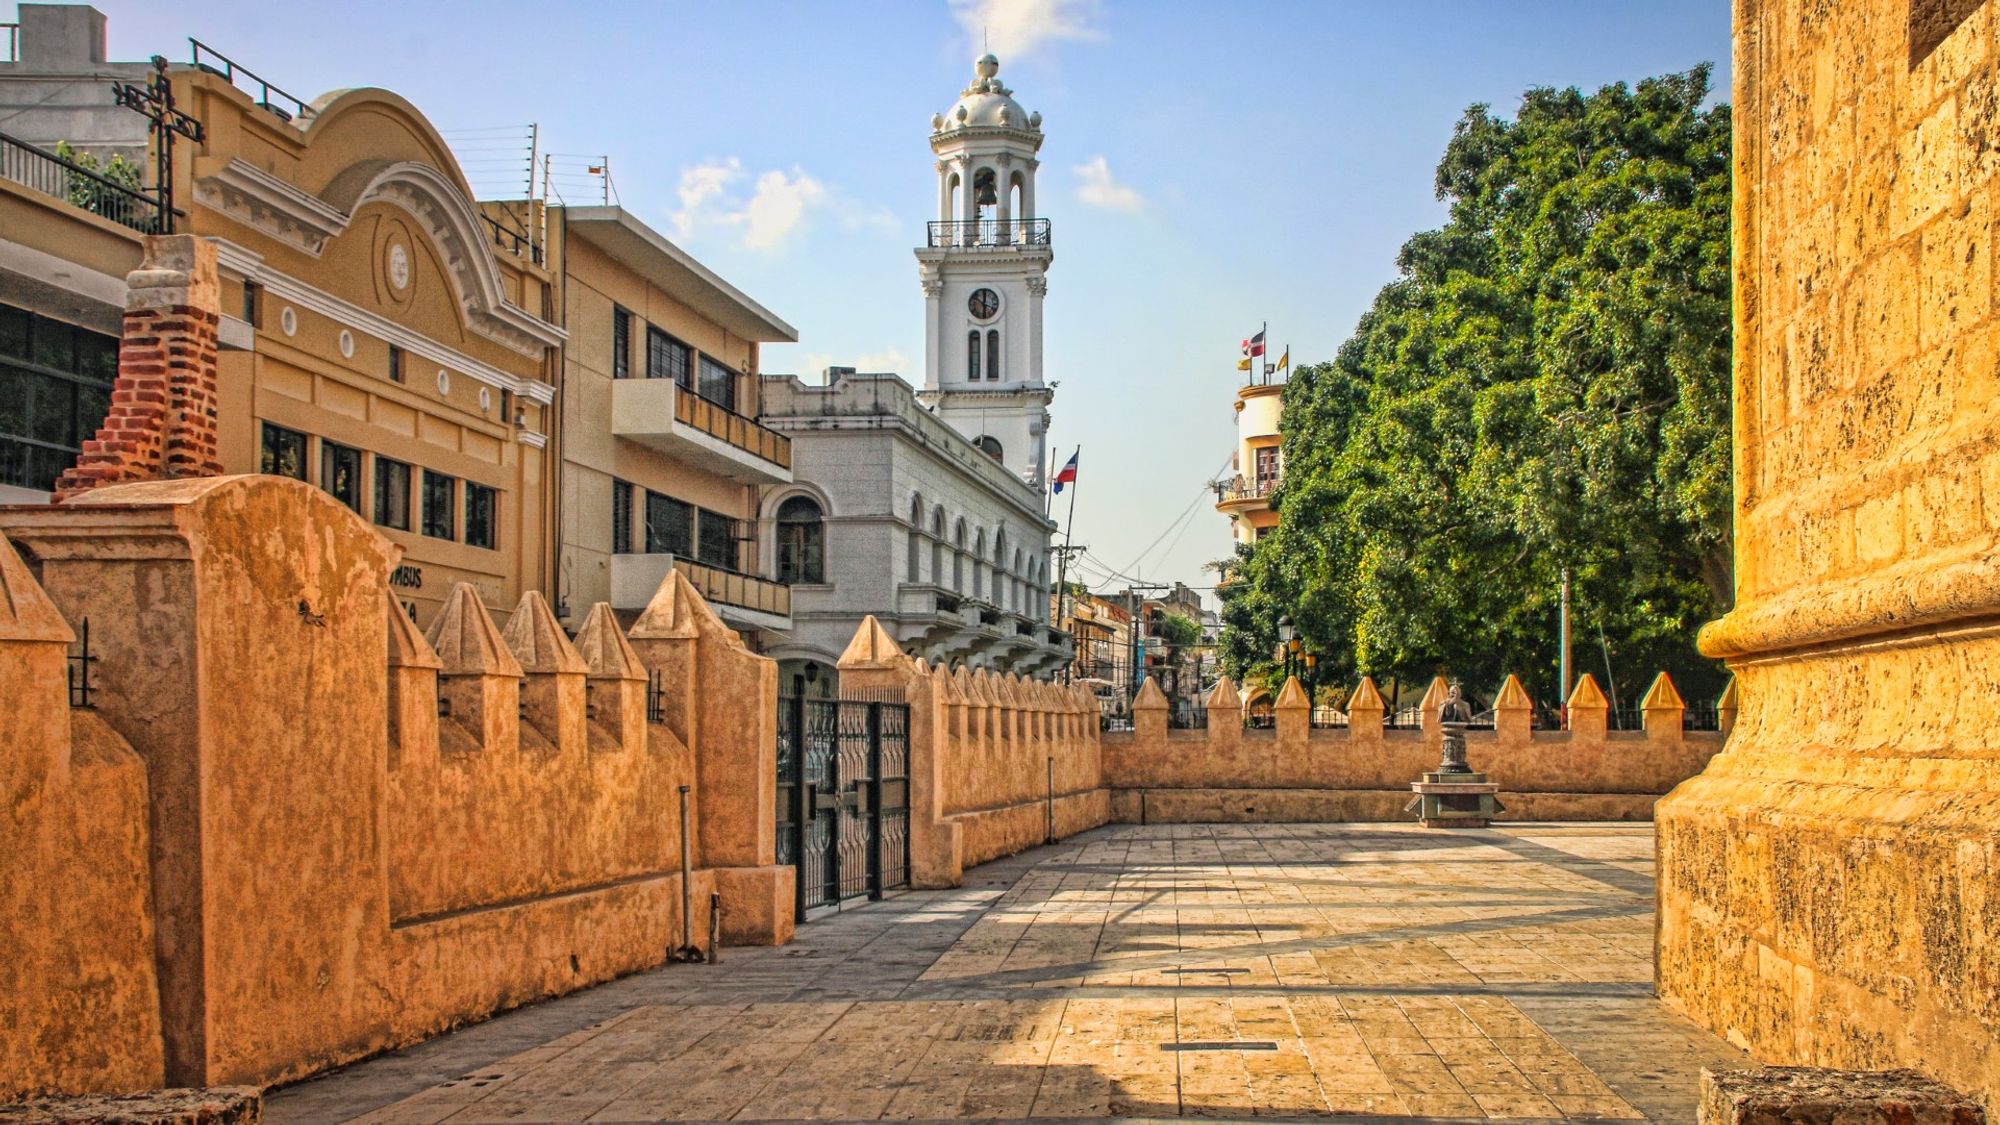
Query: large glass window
{"type": "Point", "coordinates": [340, 472]}
{"type": "Point", "coordinates": [669, 526]}
{"type": "Point", "coordinates": [801, 542]}
{"type": "Point", "coordinates": [718, 384]}
{"type": "Point", "coordinates": [717, 543]}
{"type": "Point", "coordinates": [55, 388]}
{"type": "Point", "coordinates": [392, 493]}
{"type": "Point", "coordinates": [440, 505]}
{"type": "Point", "coordinates": [284, 453]}
{"type": "Point", "coordinates": [621, 343]}
{"type": "Point", "coordinates": [667, 358]}
{"type": "Point", "coordinates": [621, 517]}
{"type": "Point", "coordinates": [482, 516]}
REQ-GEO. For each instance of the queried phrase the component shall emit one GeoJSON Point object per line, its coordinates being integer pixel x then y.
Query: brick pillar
{"type": "Point", "coordinates": [161, 424]}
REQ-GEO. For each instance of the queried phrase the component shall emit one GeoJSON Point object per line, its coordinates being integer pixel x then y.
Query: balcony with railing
{"type": "Point", "coordinates": [1250, 493]}
{"type": "Point", "coordinates": [741, 599]}
{"type": "Point", "coordinates": [663, 415]}
{"type": "Point", "coordinates": [45, 173]}
{"type": "Point", "coordinates": [989, 234]}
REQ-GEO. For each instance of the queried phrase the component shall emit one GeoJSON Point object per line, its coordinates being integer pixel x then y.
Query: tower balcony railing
{"type": "Point", "coordinates": [1240, 490]}
{"type": "Point", "coordinates": [989, 234]}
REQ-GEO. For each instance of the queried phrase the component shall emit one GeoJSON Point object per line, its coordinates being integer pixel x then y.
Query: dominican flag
{"type": "Point", "coordinates": [1254, 346]}
{"type": "Point", "coordinates": [1067, 475]}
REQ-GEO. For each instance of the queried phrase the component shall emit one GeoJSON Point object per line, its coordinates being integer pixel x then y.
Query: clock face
{"type": "Point", "coordinates": [984, 304]}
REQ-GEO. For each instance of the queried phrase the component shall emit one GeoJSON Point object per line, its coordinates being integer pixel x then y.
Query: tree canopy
{"type": "Point", "coordinates": [1544, 386]}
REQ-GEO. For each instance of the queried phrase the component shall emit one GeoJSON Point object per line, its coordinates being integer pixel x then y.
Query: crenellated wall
{"type": "Point", "coordinates": [998, 763]}
{"type": "Point", "coordinates": [330, 834]}
{"type": "Point", "coordinates": [1295, 772]}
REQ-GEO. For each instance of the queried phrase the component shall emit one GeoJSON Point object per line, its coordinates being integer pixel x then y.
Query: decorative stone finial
{"type": "Point", "coordinates": [987, 66]}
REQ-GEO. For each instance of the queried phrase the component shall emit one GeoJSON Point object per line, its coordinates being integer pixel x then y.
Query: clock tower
{"type": "Point", "coordinates": [984, 266]}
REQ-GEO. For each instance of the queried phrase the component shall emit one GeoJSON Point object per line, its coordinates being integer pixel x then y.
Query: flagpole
{"type": "Point", "coordinates": [1063, 614]}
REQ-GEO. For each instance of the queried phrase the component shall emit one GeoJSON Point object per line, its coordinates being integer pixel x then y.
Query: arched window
{"type": "Point", "coordinates": [937, 546]}
{"type": "Point", "coordinates": [993, 355]}
{"type": "Point", "coordinates": [989, 445]}
{"type": "Point", "coordinates": [958, 558]}
{"type": "Point", "coordinates": [972, 355]}
{"type": "Point", "coordinates": [916, 533]}
{"type": "Point", "coordinates": [801, 542]}
{"type": "Point", "coordinates": [979, 565]}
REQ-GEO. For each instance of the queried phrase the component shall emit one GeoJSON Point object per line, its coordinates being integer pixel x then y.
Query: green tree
{"type": "Point", "coordinates": [1545, 386]}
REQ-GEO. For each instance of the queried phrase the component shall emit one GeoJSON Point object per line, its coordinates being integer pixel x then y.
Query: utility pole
{"type": "Point", "coordinates": [1133, 676]}
{"type": "Point", "coordinates": [1063, 612]}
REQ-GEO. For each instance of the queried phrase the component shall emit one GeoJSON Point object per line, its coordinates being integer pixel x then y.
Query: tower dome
{"type": "Point", "coordinates": [988, 104]}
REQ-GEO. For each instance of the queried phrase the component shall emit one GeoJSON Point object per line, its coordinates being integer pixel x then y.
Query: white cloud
{"type": "Point", "coordinates": [1096, 187]}
{"type": "Point", "coordinates": [1013, 28]}
{"type": "Point", "coordinates": [776, 206]}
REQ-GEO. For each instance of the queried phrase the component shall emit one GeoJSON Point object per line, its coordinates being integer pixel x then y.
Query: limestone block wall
{"type": "Point", "coordinates": [998, 763]}
{"type": "Point", "coordinates": [330, 834]}
{"type": "Point", "coordinates": [1362, 772]}
{"type": "Point", "coordinates": [1828, 884]}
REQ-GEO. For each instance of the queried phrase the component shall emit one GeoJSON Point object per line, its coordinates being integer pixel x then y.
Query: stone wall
{"type": "Point", "coordinates": [1294, 772]}
{"type": "Point", "coordinates": [291, 830]}
{"type": "Point", "coordinates": [998, 763]}
{"type": "Point", "coordinates": [1828, 884]}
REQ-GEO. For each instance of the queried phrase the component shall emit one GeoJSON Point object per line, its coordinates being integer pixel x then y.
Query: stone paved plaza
{"type": "Point", "coordinates": [1216, 971]}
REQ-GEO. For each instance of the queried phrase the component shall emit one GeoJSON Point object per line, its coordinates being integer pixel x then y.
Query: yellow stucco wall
{"type": "Point", "coordinates": [1827, 885]}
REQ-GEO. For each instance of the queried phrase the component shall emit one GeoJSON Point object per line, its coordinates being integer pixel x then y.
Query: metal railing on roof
{"type": "Point", "coordinates": [278, 101]}
{"type": "Point", "coordinates": [40, 170]}
{"type": "Point", "coordinates": [988, 234]}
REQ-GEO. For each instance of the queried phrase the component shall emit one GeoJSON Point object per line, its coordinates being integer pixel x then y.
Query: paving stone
{"type": "Point", "coordinates": [1501, 974]}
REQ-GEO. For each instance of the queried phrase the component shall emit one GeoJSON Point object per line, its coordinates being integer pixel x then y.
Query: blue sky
{"type": "Point", "coordinates": [1208, 167]}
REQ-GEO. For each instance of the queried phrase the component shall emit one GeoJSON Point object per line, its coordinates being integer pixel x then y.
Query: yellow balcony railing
{"type": "Point", "coordinates": [719, 421]}
{"type": "Point", "coordinates": [728, 587]}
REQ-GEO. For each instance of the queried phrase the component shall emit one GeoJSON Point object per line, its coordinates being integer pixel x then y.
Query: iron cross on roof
{"type": "Point", "coordinates": [156, 101]}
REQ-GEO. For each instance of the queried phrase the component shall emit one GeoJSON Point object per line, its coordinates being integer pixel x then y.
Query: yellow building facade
{"type": "Point", "coordinates": [662, 457]}
{"type": "Point", "coordinates": [1259, 464]}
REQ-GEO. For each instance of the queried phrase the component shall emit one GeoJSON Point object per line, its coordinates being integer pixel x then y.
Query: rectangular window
{"type": "Point", "coordinates": [621, 517]}
{"type": "Point", "coordinates": [718, 384]}
{"type": "Point", "coordinates": [717, 545]}
{"type": "Point", "coordinates": [482, 511]}
{"type": "Point", "coordinates": [340, 472]}
{"type": "Point", "coordinates": [392, 493]}
{"type": "Point", "coordinates": [395, 364]}
{"type": "Point", "coordinates": [667, 358]}
{"type": "Point", "coordinates": [253, 304]}
{"type": "Point", "coordinates": [440, 504]}
{"type": "Point", "coordinates": [55, 388]}
{"type": "Point", "coordinates": [669, 526]}
{"type": "Point", "coordinates": [621, 343]}
{"type": "Point", "coordinates": [284, 453]}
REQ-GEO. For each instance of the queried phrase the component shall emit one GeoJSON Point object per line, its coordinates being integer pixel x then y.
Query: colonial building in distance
{"type": "Point", "coordinates": [662, 456]}
{"type": "Point", "coordinates": [1245, 497]}
{"type": "Point", "coordinates": [896, 514]}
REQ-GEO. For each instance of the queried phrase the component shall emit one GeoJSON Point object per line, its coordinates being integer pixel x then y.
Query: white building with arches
{"type": "Point", "coordinates": [894, 513]}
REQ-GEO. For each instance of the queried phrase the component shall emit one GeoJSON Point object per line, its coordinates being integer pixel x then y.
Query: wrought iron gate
{"type": "Point", "coordinates": [844, 797]}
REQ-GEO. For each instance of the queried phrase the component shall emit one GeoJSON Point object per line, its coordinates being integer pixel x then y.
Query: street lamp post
{"type": "Point", "coordinates": [1287, 642]}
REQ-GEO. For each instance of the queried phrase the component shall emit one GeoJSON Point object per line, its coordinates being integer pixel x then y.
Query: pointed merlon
{"type": "Point", "coordinates": [1223, 696]}
{"type": "Point", "coordinates": [1150, 697]}
{"type": "Point", "coordinates": [407, 646]}
{"type": "Point", "coordinates": [1513, 697]}
{"type": "Point", "coordinates": [1587, 696]}
{"type": "Point", "coordinates": [671, 615]}
{"type": "Point", "coordinates": [604, 649]}
{"type": "Point", "coordinates": [466, 640]}
{"type": "Point", "coordinates": [872, 647]}
{"type": "Point", "coordinates": [537, 639]}
{"type": "Point", "coordinates": [26, 613]}
{"type": "Point", "coordinates": [1293, 698]}
{"type": "Point", "coordinates": [1662, 696]}
{"type": "Point", "coordinates": [1434, 696]}
{"type": "Point", "coordinates": [1366, 697]}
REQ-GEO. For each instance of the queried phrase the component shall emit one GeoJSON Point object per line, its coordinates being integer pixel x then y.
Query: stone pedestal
{"type": "Point", "coordinates": [1810, 1095]}
{"type": "Point", "coordinates": [1455, 800]}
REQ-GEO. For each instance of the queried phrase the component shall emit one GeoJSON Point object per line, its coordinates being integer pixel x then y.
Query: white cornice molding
{"type": "Point", "coordinates": [266, 203]}
{"type": "Point", "coordinates": [249, 265]}
{"type": "Point", "coordinates": [531, 438]}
